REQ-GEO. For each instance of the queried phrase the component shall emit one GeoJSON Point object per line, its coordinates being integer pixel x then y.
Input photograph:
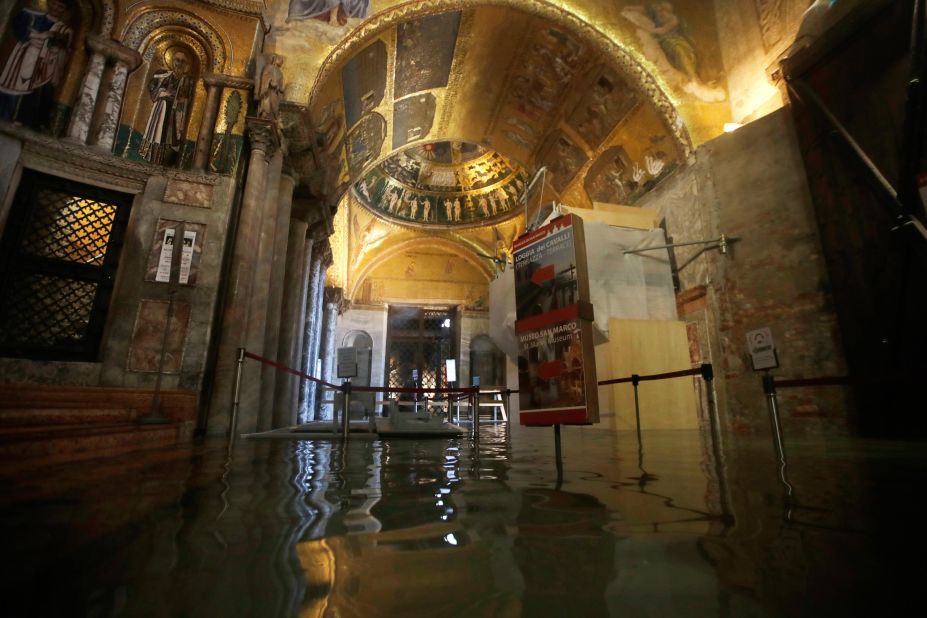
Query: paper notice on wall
{"type": "Point", "coordinates": [186, 256]}
{"type": "Point", "coordinates": [167, 254]}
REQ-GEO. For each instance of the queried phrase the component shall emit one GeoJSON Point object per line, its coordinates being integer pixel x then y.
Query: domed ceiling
{"type": "Point", "coordinates": [443, 184]}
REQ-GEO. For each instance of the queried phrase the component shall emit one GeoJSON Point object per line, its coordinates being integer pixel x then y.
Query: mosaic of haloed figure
{"type": "Point", "coordinates": [171, 92]}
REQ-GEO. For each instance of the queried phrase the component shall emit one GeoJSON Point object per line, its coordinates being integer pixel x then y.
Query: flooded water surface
{"type": "Point", "coordinates": [463, 527]}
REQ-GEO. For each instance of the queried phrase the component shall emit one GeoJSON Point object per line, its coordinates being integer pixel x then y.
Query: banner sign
{"type": "Point", "coordinates": [556, 358]}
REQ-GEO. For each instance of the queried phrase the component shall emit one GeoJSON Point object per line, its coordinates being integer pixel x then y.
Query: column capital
{"type": "Point", "coordinates": [324, 252]}
{"type": "Point", "coordinates": [263, 135]}
{"type": "Point", "coordinates": [228, 81]}
{"type": "Point", "coordinates": [334, 296]}
{"type": "Point", "coordinates": [318, 231]}
{"type": "Point", "coordinates": [307, 210]}
{"type": "Point", "coordinates": [114, 50]}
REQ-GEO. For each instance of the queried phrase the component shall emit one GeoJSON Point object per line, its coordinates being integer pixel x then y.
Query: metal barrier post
{"type": "Point", "coordinates": [635, 381]}
{"type": "Point", "coordinates": [475, 398]}
{"type": "Point", "coordinates": [236, 393]}
{"type": "Point", "coordinates": [508, 406]}
{"type": "Point", "coordinates": [769, 387]}
{"type": "Point", "coordinates": [345, 408]}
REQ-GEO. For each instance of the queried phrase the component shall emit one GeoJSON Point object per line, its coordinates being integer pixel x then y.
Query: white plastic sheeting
{"type": "Point", "coordinates": [636, 286]}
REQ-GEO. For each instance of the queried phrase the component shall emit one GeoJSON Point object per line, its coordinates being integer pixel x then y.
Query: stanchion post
{"type": "Point", "coordinates": [635, 381]}
{"type": "Point", "coordinates": [236, 393]}
{"type": "Point", "coordinates": [558, 456]}
{"type": "Point", "coordinates": [475, 407]}
{"type": "Point", "coordinates": [769, 388]}
{"type": "Point", "coordinates": [345, 408]}
{"type": "Point", "coordinates": [507, 394]}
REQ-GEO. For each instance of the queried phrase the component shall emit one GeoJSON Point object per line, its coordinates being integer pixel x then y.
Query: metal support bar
{"type": "Point", "coordinates": [236, 394]}
{"type": "Point", "coordinates": [804, 92]}
{"type": "Point", "coordinates": [721, 242]}
{"type": "Point", "coordinates": [558, 455]}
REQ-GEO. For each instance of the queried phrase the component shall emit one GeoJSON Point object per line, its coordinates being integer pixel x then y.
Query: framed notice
{"type": "Point", "coordinates": [556, 358]}
{"type": "Point", "coordinates": [188, 239]}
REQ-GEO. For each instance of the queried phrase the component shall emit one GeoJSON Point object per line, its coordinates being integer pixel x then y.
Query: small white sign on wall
{"type": "Point", "coordinates": [762, 349]}
{"type": "Point", "coordinates": [347, 362]}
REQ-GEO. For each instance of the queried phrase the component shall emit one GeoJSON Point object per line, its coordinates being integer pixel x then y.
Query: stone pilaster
{"type": "Point", "coordinates": [236, 317]}
{"type": "Point", "coordinates": [333, 299]}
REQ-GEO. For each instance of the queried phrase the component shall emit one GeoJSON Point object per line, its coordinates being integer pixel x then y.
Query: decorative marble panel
{"type": "Point", "coordinates": [145, 350]}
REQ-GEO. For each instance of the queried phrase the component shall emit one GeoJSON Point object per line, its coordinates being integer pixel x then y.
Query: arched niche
{"type": "Point", "coordinates": [158, 36]}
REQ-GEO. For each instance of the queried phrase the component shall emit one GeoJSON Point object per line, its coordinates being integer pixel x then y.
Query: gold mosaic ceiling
{"type": "Point", "coordinates": [534, 91]}
{"type": "Point", "coordinates": [443, 184]}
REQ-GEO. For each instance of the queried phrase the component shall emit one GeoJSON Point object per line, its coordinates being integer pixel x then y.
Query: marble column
{"type": "Point", "coordinates": [312, 326]}
{"type": "Point", "coordinates": [125, 60]}
{"type": "Point", "coordinates": [82, 115]}
{"type": "Point", "coordinates": [288, 181]}
{"type": "Point", "coordinates": [295, 287]}
{"type": "Point", "coordinates": [333, 301]}
{"type": "Point", "coordinates": [259, 310]}
{"type": "Point", "coordinates": [236, 315]}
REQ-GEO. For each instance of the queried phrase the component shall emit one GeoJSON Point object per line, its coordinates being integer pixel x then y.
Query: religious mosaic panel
{"type": "Point", "coordinates": [562, 158]}
{"type": "Point", "coordinates": [538, 85]}
{"type": "Point", "coordinates": [413, 118]}
{"type": "Point", "coordinates": [228, 141]}
{"type": "Point", "coordinates": [332, 12]}
{"type": "Point", "coordinates": [365, 141]}
{"type": "Point", "coordinates": [35, 52]}
{"type": "Point", "coordinates": [158, 131]}
{"type": "Point", "coordinates": [667, 42]}
{"type": "Point", "coordinates": [443, 183]}
{"type": "Point", "coordinates": [363, 80]}
{"type": "Point", "coordinates": [615, 179]}
{"type": "Point", "coordinates": [424, 53]}
{"type": "Point", "coordinates": [605, 103]}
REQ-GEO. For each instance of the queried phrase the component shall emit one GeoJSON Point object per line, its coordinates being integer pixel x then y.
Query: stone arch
{"type": "Point", "coordinates": [450, 246]}
{"type": "Point", "coordinates": [140, 31]}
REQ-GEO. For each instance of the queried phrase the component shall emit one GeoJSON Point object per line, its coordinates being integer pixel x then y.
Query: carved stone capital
{"type": "Point", "coordinates": [334, 296]}
{"type": "Point", "coordinates": [323, 249]}
{"type": "Point", "coordinates": [263, 135]}
{"type": "Point", "coordinates": [114, 50]}
{"type": "Point", "coordinates": [228, 81]}
{"type": "Point", "coordinates": [318, 231]}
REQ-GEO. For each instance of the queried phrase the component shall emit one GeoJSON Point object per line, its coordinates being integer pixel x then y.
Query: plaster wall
{"type": "Point", "coordinates": [373, 322]}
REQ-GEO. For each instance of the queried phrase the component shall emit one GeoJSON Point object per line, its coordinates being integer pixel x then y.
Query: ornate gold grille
{"type": "Point", "coordinates": [58, 258]}
{"type": "Point", "coordinates": [420, 340]}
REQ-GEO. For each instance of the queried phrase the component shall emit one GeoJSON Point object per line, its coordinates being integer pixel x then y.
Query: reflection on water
{"type": "Point", "coordinates": [676, 526]}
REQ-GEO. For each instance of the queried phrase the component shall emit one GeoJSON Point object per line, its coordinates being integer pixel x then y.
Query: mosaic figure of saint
{"type": "Point", "coordinates": [426, 208]}
{"type": "Point", "coordinates": [332, 12]}
{"type": "Point", "coordinates": [34, 68]}
{"type": "Point", "coordinates": [457, 209]}
{"type": "Point", "coordinates": [449, 209]}
{"type": "Point", "coordinates": [413, 207]}
{"type": "Point", "coordinates": [171, 91]}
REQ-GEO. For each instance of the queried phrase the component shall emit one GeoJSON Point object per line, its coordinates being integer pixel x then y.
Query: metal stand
{"type": "Point", "coordinates": [558, 456]}
{"type": "Point", "coordinates": [236, 394]}
{"type": "Point", "coordinates": [635, 381]}
{"type": "Point", "coordinates": [475, 412]}
{"type": "Point", "coordinates": [769, 387]}
{"type": "Point", "coordinates": [345, 409]}
{"type": "Point", "coordinates": [154, 416]}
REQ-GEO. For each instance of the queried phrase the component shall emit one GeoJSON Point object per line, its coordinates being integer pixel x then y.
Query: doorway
{"type": "Point", "coordinates": [419, 341]}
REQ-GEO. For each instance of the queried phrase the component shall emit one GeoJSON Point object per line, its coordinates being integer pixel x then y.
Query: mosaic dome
{"type": "Point", "coordinates": [443, 183]}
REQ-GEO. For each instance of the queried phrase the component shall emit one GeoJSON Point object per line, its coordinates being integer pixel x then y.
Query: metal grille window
{"type": "Point", "coordinates": [58, 259]}
{"type": "Point", "coordinates": [420, 339]}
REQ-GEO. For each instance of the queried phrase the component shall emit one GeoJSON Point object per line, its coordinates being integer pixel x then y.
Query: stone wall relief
{"type": "Point", "coordinates": [40, 48]}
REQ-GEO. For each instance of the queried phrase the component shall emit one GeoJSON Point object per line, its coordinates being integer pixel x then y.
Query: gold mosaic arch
{"type": "Point", "coordinates": [638, 76]}
{"type": "Point", "coordinates": [148, 23]}
{"type": "Point", "coordinates": [418, 243]}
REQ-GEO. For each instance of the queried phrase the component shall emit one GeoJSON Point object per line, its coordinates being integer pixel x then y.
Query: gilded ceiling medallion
{"type": "Point", "coordinates": [443, 184]}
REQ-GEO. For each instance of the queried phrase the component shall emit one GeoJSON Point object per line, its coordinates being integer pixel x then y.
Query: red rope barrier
{"type": "Point", "coordinates": [360, 389]}
{"type": "Point", "coordinates": [654, 376]}
{"type": "Point", "coordinates": [295, 372]}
